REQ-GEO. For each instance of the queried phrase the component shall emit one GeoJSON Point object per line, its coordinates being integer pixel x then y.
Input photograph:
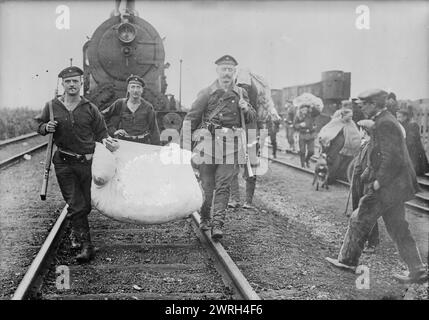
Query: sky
{"type": "Point", "coordinates": [286, 42]}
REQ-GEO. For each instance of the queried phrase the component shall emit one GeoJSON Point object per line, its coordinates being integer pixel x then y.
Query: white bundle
{"type": "Point", "coordinates": [309, 100]}
{"type": "Point", "coordinates": [147, 184]}
{"type": "Point", "coordinates": [264, 103]}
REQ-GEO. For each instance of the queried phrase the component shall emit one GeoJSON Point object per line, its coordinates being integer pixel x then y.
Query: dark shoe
{"type": "Point", "coordinates": [369, 249]}
{"type": "Point", "coordinates": [233, 204]}
{"type": "Point", "coordinates": [87, 254]}
{"type": "Point", "coordinates": [248, 205]}
{"type": "Point", "coordinates": [205, 225]}
{"type": "Point", "coordinates": [217, 234]}
{"type": "Point", "coordinates": [338, 264]}
{"type": "Point", "coordinates": [415, 277]}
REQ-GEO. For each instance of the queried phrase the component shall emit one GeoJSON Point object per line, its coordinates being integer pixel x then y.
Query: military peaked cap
{"type": "Point", "coordinates": [136, 79]}
{"type": "Point", "coordinates": [70, 72]}
{"type": "Point", "coordinates": [226, 59]}
{"type": "Point", "coordinates": [371, 94]}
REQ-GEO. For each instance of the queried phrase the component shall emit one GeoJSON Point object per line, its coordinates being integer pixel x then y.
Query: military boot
{"type": "Point", "coordinates": [217, 225]}
{"type": "Point", "coordinates": [250, 191]}
{"type": "Point", "coordinates": [205, 222]}
{"type": "Point", "coordinates": [88, 252]}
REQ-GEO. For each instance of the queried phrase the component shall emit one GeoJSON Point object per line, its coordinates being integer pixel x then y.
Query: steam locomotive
{"type": "Point", "coordinates": [122, 45]}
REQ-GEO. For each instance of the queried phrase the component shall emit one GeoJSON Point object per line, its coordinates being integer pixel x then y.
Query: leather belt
{"type": "Point", "coordinates": [138, 137]}
{"type": "Point", "coordinates": [87, 156]}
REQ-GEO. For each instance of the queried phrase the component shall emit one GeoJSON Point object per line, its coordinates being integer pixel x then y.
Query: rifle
{"type": "Point", "coordinates": [48, 157]}
{"type": "Point", "coordinates": [244, 140]}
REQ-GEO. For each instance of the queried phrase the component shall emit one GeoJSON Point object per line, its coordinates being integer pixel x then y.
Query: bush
{"type": "Point", "coordinates": [16, 122]}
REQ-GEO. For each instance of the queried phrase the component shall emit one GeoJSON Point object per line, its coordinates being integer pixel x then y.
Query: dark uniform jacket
{"type": "Point", "coordinates": [228, 117]}
{"type": "Point", "coordinates": [390, 160]}
{"type": "Point", "coordinates": [309, 130]}
{"type": "Point", "coordinates": [143, 120]}
{"type": "Point", "coordinates": [77, 130]}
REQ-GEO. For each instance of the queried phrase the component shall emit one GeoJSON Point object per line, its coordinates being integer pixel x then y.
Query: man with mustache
{"type": "Point", "coordinates": [133, 118]}
{"type": "Point", "coordinates": [391, 182]}
{"type": "Point", "coordinates": [77, 124]}
{"type": "Point", "coordinates": [217, 112]}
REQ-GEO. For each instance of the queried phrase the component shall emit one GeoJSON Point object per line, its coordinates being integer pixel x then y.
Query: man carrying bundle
{"type": "Point", "coordinates": [77, 124]}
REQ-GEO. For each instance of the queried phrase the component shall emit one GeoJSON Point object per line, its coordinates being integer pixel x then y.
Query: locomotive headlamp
{"type": "Point", "coordinates": [126, 32]}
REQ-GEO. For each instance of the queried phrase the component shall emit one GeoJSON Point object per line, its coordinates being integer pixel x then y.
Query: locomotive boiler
{"type": "Point", "coordinates": [122, 45]}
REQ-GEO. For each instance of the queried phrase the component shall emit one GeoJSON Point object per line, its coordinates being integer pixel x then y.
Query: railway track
{"type": "Point", "coordinates": [170, 261]}
{"type": "Point", "coordinates": [13, 150]}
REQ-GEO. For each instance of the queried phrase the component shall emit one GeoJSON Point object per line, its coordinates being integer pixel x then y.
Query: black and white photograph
{"type": "Point", "coordinates": [213, 155]}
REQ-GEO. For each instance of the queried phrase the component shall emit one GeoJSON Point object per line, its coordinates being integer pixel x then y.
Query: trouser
{"type": "Point", "coordinates": [363, 220]}
{"type": "Point", "coordinates": [250, 186]}
{"type": "Point", "coordinates": [357, 192]}
{"type": "Point", "coordinates": [216, 180]}
{"type": "Point", "coordinates": [290, 131]}
{"type": "Point", "coordinates": [306, 149]}
{"type": "Point", "coordinates": [273, 138]}
{"type": "Point", "coordinates": [74, 179]}
{"type": "Point", "coordinates": [337, 165]}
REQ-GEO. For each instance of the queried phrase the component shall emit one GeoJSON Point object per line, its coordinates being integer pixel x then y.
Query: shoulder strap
{"type": "Point", "coordinates": [51, 111]}
{"type": "Point", "coordinates": [218, 108]}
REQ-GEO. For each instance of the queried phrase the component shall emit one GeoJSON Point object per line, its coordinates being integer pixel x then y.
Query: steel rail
{"type": "Point", "coordinates": [33, 273]}
{"type": "Point", "coordinates": [234, 275]}
{"type": "Point", "coordinates": [16, 139]}
{"type": "Point", "coordinates": [17, 157]}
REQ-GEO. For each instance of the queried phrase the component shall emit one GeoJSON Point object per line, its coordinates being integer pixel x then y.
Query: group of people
{"type": "Point", "coordinates": [76, 125]}
{"type": "Point", "coordinates": [383, 180]}
{"type": "Point", "coordinates": [340, 139]}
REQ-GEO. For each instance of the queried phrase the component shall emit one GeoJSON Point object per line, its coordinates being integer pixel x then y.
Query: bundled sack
{"type": "Point", "coordinates": [144, 184]}
{"type": "Point", "coordinates": [258, 85]}
{"type": "Point", "coordinates": [308, 99]}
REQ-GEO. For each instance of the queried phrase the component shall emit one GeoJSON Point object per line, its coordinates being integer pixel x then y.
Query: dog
{"type": "Point", "coordinates": [321, 173]}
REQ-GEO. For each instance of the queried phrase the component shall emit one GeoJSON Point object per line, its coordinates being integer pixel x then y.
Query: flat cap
{"type": "Point", "coordinates": [226, 59]}
{"type": "Point", "coordinates": [70, 72]}
{"type": "Point", "coordinates": [136, 79]}
{"type": "Point", "coordinates": [371, 94]}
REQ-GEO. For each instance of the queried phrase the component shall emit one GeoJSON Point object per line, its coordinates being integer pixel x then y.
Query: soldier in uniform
{"type": "Point", "coordinates": [133, 118]}
{"type": "Point", "coordinates": [305, 124]}
{"type": "Point", "coordinates": [391, 181]}
{"type": "Point", "coordinates": [77, 125]}
{"type": "Point", "coordinates": [273, 128]}
{"type": "Point", "coordinates": [218, 109]}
